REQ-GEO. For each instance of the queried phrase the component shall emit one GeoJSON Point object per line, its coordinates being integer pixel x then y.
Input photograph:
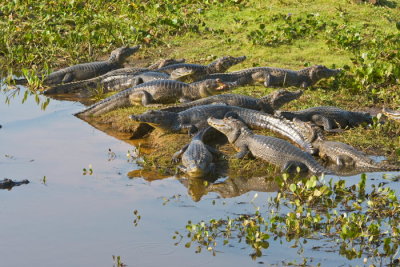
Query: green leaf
{"type": "Point", "coordinates": [293, 187]}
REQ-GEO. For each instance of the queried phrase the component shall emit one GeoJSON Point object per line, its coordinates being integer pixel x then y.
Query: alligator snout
{"type": "Point", "coordinates": [195, 171]}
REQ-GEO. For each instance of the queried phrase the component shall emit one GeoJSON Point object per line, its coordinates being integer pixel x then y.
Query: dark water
{"type": "Point", "coordinates": [82, 220]}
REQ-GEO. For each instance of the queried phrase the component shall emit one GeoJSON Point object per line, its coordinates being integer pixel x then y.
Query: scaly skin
{"type": "Point", "coordinates": [159, 91]}
{"type": "Point", "coordinates": [328, 117]}
{"type": "Point", "coordinates": [345, 155]}
{"type": "Point", "coordinates": [276, 77]}
{"type": "Point", "coordinates": [196, 118]}
{"type": "Point", "coordinates": [392, 114]}
{"type": "Point", "coordinates": [196, 72]}
{"type": "Point", "coordinates": [108, 82]}
{"type": "Point", "coordinates": [89, 70]}
{"type": "Point", "coordinates": [115, 80]}
{"type": "Point", "coordinates": [273, 150]}
{"type": "Point", "coordinates": [197, 157]}
{"type": "Point", "coordinates": [266, 104]}
{"type": "Point", "coordinates": [9, 184]}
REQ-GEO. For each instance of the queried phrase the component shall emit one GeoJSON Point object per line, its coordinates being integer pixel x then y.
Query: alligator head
{"type": "Point", "coordinates": [395, 115]}
{"type": "Point", "coordinates": [122, 53]}
{"type": "Point", "coordinates": [159, 119]}
{"type": "Point", "coordinates": [197, 170]}
{"type": "Point", "coordinates": [231, 127]}
{"type": "Point", "coordinates": [281, 97]}
{"type": "Point", "coordinates": [222, 64]}
{"type": "Point", "coordinates": [211, 87]}
{"type": "Point", "coordinates": [318, 72]}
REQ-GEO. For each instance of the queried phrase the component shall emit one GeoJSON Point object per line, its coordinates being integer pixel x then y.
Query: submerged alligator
{"type": "Point", "coordinates": [328, 117]}
{"type": "Point", "coordinates": [89, 70]}
{"type": "Point", "coordinates": [197, 157]}
{"type": "Point", "coordinates": [271, 149]}
{"type": "Point", "coordinates": [196, 72]}
{"type": "Point", "coordinates": [159, 91]}
{"type": "Point", "coordinates": [115, 80]}
{"type": "Point", "coordinates": [195, 118]}
{"type": "Point", "coordinates": [9, 184]}
{"type": "Point", "coordinates": [267, 104]}
{"type": "Point", "coordinates": [277, 77]}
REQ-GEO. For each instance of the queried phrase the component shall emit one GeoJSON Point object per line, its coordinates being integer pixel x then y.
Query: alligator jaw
{"type": "Point", "coordinates": [218, 124]}
{"type": "Point", "coordinates": [130, 50]}
{"type": "Point", "coordinates": [391, 113]}
{"type": "Point", "coordinates": [222, 86]}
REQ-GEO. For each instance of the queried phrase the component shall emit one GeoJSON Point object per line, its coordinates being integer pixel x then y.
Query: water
{"type": "Point", "coordinates": [72, 219]}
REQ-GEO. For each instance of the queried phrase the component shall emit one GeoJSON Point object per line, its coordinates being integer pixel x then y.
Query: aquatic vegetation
{"type": "Point", "coordinates": [137, 218]}
{"type": "Point", "coordinates": [359, 221]}
{"type": "Point", "coordinates": [88, 171]}
{"type": "Point", "coordinates": [118, 262]}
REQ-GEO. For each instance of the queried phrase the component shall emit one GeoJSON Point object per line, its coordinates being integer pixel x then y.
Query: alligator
{"type": "Point", "coordinates": [9, 184]}
{"type": "Point", "coordinates": [196, 156]}
{"type": "Point", "coordinates": [236, 186]}
{"type": "Point", "coordinates": [277, 77]}
{"type": "Point", "coordinates": [159, 91]}
{"type": "Point", "coordinates": [196, 72]}
{"type": "Point", "coordinates": [392, 114]}
{"type": "Point", "coordinates": [108, 82]}
{"type": "Point", "coordinates": [115, 80]}
{"type": "Point", "coordinates": [165, 62]}
{"type": "Point", "coordinates": [195, 118]}
{"type": "Point", "coordinates": [329, 118]}
{"type": "Point", "coordinates": [89, 70]}
{"type": "Point", "coordinates": [271, 149]}
{"type": "Point", "coordinates": [345, 155]}
{"type": "Point", "coordinates": [267, 104]}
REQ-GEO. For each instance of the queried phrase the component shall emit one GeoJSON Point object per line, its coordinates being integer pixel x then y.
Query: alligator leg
{"type": "Point", "coordinates": [184, 100]}
{"type": "Point", "coordinates": [67, 78]}
{"type": "Point", "coordinates": [268, 82]}
{"type": "Point", "coordinates": [177, 155]}
{"type": "Point", "coordinates": [294, 166]}
{"type": "Point", "coordinates": [243, 151]}
{"type": "Point", "coordinates": [305, 84]}
{"type": "Point", "coordinates": [142, 97]}
{"type": "Point", "coordinates": [182, 168]}
{"type": "Point", "coordinates": [325, 123]}
{"type": "Point", "coordinates": [344, 161]}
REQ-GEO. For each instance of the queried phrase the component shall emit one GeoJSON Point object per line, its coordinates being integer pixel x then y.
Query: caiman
{"type": "Point", "coordinates": [328, 117]}
{"type": "Point", "coordinates": [271, 149]}
{"type": "Point", "coordinates": [276, 77]}
{"type": "Point", "coordinates": [115, 80]}
{"type": "Point", "coordinates": [197, 157]}
{"type": "Point", "coordinates": [392, 114]}
{"type": "Point", "coordinates": [89, 70]}
{"type": "Point", "coordinates": [160, 91]}
{"type": "Point", "coordinates": [195, 118]}
{"type": "Point", "coordinates": [268, 103]}
{"type": "Point", "coordinates": [8, 183]}
{"type": "Point", "coordinates": [107, 83]}
{"type": "Point", "coordinates": [196, 72]}
{"type": "Point", "coordinates": [345, 155]}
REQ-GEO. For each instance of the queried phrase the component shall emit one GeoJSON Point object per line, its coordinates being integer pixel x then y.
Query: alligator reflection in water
{"type": "Point", "coordinates": [229, 188]}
